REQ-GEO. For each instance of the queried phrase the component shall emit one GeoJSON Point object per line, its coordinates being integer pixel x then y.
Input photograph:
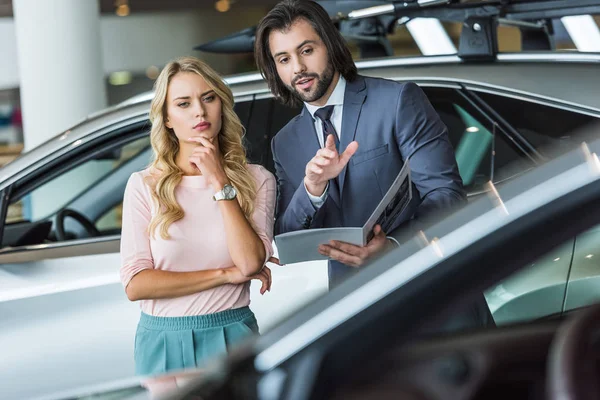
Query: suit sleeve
{"type": "Point", "coordinates": [423, 139]}
{"type": "Point", "coordinates": [294, 209]}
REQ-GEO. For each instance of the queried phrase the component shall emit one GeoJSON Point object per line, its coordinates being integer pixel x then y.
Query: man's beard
{"type": "Point", "coordinates": [322, 84]}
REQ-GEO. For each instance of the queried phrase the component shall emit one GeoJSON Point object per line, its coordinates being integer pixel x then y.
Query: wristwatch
{"type": "Point", "coordinates": [227, 193]}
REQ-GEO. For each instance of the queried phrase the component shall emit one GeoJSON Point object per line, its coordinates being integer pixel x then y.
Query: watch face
{"type": "Point", "coordinates": [228, 192]}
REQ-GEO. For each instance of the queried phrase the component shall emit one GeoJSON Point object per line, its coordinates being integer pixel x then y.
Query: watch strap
{"type": "Point", "coordinates": [220, 195]}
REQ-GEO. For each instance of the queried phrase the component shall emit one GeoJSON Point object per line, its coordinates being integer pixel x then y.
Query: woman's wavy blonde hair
{"type": "Point", "coordinates": [166, 175]}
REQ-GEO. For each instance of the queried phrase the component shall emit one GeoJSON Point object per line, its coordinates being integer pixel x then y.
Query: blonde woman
{"type": "Point", "coordinates": [197, 225]}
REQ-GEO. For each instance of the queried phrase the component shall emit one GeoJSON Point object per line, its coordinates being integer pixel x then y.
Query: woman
{"type": "Point", "coordinates": [197, 225]}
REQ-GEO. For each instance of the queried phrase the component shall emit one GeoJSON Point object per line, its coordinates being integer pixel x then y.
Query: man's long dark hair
{"type": "Point", "coordinates": [281, 18]}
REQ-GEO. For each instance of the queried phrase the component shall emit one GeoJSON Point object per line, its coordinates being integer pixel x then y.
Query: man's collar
{"type": "Point", "coordinates": [336, 98]}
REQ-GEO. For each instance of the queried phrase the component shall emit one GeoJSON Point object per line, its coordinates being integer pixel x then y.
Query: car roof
{"type": "Point", "coordinates": [567, 77]}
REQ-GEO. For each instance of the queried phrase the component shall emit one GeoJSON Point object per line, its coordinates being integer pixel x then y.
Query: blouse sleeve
{"type": "Point", "coordinates": [136, 254]}
{"type": "Point", "coordinates": [264, 208]}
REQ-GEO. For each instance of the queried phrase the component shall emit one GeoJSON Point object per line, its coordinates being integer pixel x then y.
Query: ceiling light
{"type": "Point", "coordinates": [556, 259]}
{"type": "Point", "coordinates": [223, 5]}
{"type": "Point", "coordinates": [472, 129]}
{"type": "Point", "coordinates": [589, 256]}
{"type": "Point", "coordinates": [430, 36]}
{"type": "Point", "coordinates": [122, 10]}
{"type": "Point", "coordinates": [120, 78]}
{"type": "Point", "coordinates": [583, 31]}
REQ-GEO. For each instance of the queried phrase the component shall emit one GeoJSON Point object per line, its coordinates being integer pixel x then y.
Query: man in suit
{"type": "Point", "coordinates": [336, 160]}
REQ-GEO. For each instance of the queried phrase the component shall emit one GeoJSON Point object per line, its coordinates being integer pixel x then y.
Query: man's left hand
{"type": "Point", "coordinates": [352, 255]}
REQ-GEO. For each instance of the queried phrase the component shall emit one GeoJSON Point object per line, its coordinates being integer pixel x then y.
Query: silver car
{"type": "Point", "coordinates": [66, 320]}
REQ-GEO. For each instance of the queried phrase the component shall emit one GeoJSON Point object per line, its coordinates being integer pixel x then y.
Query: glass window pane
{"type": "Point", "coordinates": [473, 148]}
{"type": "Point", "coordinates": [55, 194]}
{"type": "Point", "coordinates": [110, 222]}
{"type": "Point", "coordinates": [41, 204]}
{"type": "Point", "coordinates": [469, 134]}
{"type": "Point", "coordinates": [540, 124]}
{"type": "Point", "coordinates": [479, 146]}
{"type": "Point", "coordinates": [268, 117]}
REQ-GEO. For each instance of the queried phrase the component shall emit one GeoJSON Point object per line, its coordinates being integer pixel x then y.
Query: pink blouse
{"type": "Point", "coordinates": [197, 241]}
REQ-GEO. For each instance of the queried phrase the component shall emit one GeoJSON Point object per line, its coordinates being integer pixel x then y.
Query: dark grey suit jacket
{"type": "Point", "coordinates": [391, 122]}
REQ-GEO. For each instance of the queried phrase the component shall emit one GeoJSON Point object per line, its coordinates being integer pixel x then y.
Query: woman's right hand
{"type": "Point", "coordinates": [235, 276]}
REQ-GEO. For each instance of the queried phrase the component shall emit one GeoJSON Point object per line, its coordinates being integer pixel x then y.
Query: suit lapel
{"type": "Point", "coordinates": [354, 98]}
{"type": "Point", "coordinates": [308, 144]}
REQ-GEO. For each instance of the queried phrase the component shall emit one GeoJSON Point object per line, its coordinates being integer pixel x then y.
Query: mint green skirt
{"type": "Point", "coordinates": [165, 344]}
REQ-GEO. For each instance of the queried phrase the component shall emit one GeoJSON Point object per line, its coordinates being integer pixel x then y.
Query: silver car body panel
{"type": "Point", "coordinates": [584, 280]}
{"type": "Point", "coordinates": [516, 73]}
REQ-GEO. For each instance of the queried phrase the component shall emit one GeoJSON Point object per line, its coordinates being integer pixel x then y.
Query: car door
{"type": "Point", "coordinates": [61, 299]}
{"type": "Point", "coordinates": [569, 276]}
{"type": "Point", "coordinates": [490, 149]}
{"type": "Point", "coordinates": [549, 126]}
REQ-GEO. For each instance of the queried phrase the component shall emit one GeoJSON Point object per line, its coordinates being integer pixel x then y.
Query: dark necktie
{"type": "Point", "coordinates": [324, 114]}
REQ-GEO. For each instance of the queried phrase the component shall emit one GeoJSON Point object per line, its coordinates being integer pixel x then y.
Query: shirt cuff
{"type": "Point", "coordinates": [393, 239]}
{"type": "Point", "coordinates": [317, 201]}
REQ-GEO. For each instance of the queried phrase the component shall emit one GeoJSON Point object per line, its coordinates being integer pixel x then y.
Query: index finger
{"type": "Point", "coordinates": [266, 272]}
{"type": "Point", "coordinates": [349, 152]}
{"type": "Point", "coordinates": [264, 284]}
{"type": "Point", "coordinates": [330, 143]}
{"type": "Point", "coordinates": [274, 260]}
{"type": "Point", "coordinates": [270, 275]}
{"type": "Point", "coordinates": [327, 153]}
{"type": "Point", "coordinates": [346, 247]}
{"type": "Point", "coordinates": [202, 140]}
{"type": "Point", "coordinates": [343, 257]}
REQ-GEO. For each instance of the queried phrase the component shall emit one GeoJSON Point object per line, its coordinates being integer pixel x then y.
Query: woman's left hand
{"type": "Point", "coordinates": [207, 158]}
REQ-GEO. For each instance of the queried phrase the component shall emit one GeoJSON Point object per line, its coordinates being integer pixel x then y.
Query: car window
{"type": "Point", "coordinates": [268, 116]}
{"type": "Point", "coordinates": [536, 291]}
{"type": "Point", "coordinates": [110, 222]}
{"type": "Point", "coordinates": [566, 278]}
{"type": "Point", "coordinates": [480, 149]}
{"type": "Point", "coordinates": [540, 124]}
{"type": "Point", "coordinates": [92, 188]}
{"type": "Point", "coordinates": [55, 194]}
{"type": "Point", "coordinates": [243, 109]}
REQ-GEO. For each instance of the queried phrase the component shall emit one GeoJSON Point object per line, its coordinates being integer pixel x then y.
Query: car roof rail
{"type": "Point", "coordinates": [368, 22]}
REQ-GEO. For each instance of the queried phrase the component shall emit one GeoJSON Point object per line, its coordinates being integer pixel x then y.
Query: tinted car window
{"type": "Point", "coordinates": [540, 124]}
{"type": "Point", "coordinates": [268, 116]}
{"type": "Point", "coordinates": [258, 131]}
{"type": "Point", "coordinates": [242, 109]}
{"type": "Point", "coordinates": [480, 149]}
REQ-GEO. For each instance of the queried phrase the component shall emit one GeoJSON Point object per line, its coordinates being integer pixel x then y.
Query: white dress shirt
{"type": "Point", "coordinates": [337, 100]}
